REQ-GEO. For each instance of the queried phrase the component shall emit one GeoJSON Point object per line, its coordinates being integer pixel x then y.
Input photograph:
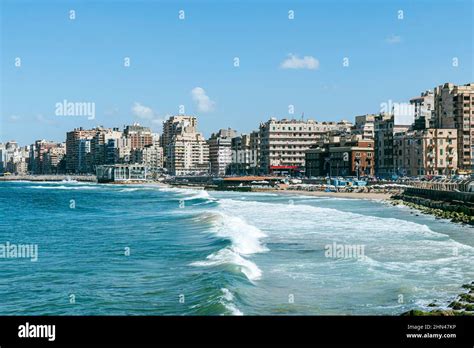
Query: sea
{"type": "Point", "coordinates": [156, 250]}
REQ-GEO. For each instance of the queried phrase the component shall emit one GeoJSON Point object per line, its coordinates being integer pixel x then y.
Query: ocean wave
{"type": "Point", "coordinates": [62, 187]}
{"type": "Point", "coordinates": [200, 195]}
{"type": "Point", "coordinates": [227, 300]}
{"type": "Point", "coordinates": [280, 212]}
{"type": "Point", "coordinates": [227, 256]}
{"type": "Point", "coordinates": [245, 238]}
{"type": "Point", "coordinates": [130, 189]}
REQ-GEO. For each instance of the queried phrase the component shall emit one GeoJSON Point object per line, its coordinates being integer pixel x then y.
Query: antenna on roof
{"type": "Point", "coordinates": [302, 116]}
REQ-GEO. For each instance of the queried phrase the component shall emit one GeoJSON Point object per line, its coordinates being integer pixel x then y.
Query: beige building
{"type": "Point", "coordinates": [100, 141]}
{"type": "Point", "coordinates": [186, 150]}
{"type": "Point", "coordinates": [364, 126]}
{"type": "Point", "coordinates": [52, 159]}
{"type": "Point", "coordinates": [454, 108]}
{"type": "Point", "coordinates": [423, 109]}
{"type": "Point", "coordinates": [431, 151]}
{"type": "Point", "coordinates": [151, 156]}
{"type": "Point", "coordinates": [283, 142]}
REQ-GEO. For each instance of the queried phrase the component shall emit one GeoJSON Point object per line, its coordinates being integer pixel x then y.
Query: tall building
{"type": "Point", "coordinates": [245, 154]}
{"type": "Point", "coordinates": [151, 156]}
{"type": "Point", "coordinates": [423, 107]}
{"type": "Point", "coordinates": [118, 150]}
{"type": "Point", "coordinates": [283, 142]}
{"type": "Point", "coordinates": [38, 154]}
{"type": "Point", "coordinates": [364, 126]}
{"type": "Point", "coordinates": [186, 150]}
{"type": "Point", "coordinates": [2, 158]}
{"type": "Point", "coordinates": [342, 156]}
{"type": "Point", "coordinates": [431, 151]}
{"type": "Point", "coordinates": [454, 109]}
{"type": "Point", "coordinates": [100, 142]}
{"type": "Point", "coordinates": [7, 152]}
{"type": "Point", "coordinates": [14, 159]}
{"type": "Point", "coordinates": [139, 136]}
{"type": "Point", "coordinates": [386, 126]}
{"type": "Point", "coordinates": [220, 150]}
{"type": "Point", "coordinates": [173, 126]}
{"type": "Point", "coordinates": [54, 159]}
{"type": "Point", "coordinates": [79, 151]}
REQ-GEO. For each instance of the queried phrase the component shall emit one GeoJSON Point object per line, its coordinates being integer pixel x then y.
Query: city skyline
{"type": "Point", "coordinates": [389, 105]}
{"type": "Point", "coordinates": [281, 61]}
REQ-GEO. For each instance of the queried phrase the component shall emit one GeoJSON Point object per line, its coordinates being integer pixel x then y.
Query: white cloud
{"type": "Point", "coordinates": [295, 62]}
{"type": "Point", "coordinates": [393, 39]}
{"type": "Point", "coordinates": [142, 111]}
{"type": "Point", "coordinates": [14, 118]}
{"type": "Point", "coordinates": [204, 103]}
{"type": "Point", "coordinates": [40, 118]}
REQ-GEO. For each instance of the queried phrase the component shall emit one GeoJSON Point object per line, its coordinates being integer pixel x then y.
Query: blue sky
{"type": "Point", "coordinates": [83, 60]}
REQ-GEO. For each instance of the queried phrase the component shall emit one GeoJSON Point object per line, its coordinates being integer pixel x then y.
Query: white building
{"type": "Point", "coordinates": [283, 142]}
{"type": "Point", "coordinates": [220, 150]}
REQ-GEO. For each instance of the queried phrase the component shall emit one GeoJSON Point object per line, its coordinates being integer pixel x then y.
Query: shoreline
{"type": "Point", "coordinates": [353, 195]}
{"type": "Point", "coordinates": [92, 179]}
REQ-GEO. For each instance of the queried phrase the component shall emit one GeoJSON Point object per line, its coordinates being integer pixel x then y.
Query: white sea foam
{"type": "Point", "coordinates": [227, 300]}
{"type": "Point", "coordinates": [245, 237]}
{"type": "Point", "coordinates": [62, 187]}
{"type": "Point", "coordinates": [245, 240]}
{"type": "Point", "coordinates": [200, 195]}
{"type": "Point", "coordinates": [227, 256]}
{"type": "Point", "coordinates": [129, 189]}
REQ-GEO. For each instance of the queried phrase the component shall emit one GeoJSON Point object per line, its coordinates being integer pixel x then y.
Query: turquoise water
{"type": "Point", "coordinates": [210, 253]}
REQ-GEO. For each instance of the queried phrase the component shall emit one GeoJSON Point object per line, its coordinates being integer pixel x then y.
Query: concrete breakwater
{"type": "Point", "coordinates": [456, 206]}
{"type": "Point", "coordinates": [462, 305]}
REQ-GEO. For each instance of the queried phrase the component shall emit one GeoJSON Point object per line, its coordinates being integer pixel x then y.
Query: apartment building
{"type": "Point", "coordinates": [245, 154]}
{"type": "Point", "coordinates": [38, 160]}
{"type": "Point", "coordinates": [173, 126]}
{"type": "Point", "coordinates": [283, 142]}
{"type": "Point", "coordinates": [53, 162]}
{"type": "Point", "coordinates": [342, 156]}
{"type": "Point", "coordinates": [186, 150]}
{"type": "Point", "coordinates": [430, 151]}
{"type": "Point", "coordinates": [100, 142]}
{"type": "Point", "coordinates": [139, 136]}
{"type": "Point", "coordinates": [78, 150]}
{"type": "Point", "coordinates": [423, 109]}
{"type": "Point", "coordinates": [151, 156]}
{"type": "Point", "coordinates": [385, 127]}
{"type": "Point", "coordinates": [13, 158]}
{"type": "Point", "coordinates": [364, 126]}
{"type": "Point", "coordinates": [220, 150]}
{"type": "Point", "coordinates": [454, 109]}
